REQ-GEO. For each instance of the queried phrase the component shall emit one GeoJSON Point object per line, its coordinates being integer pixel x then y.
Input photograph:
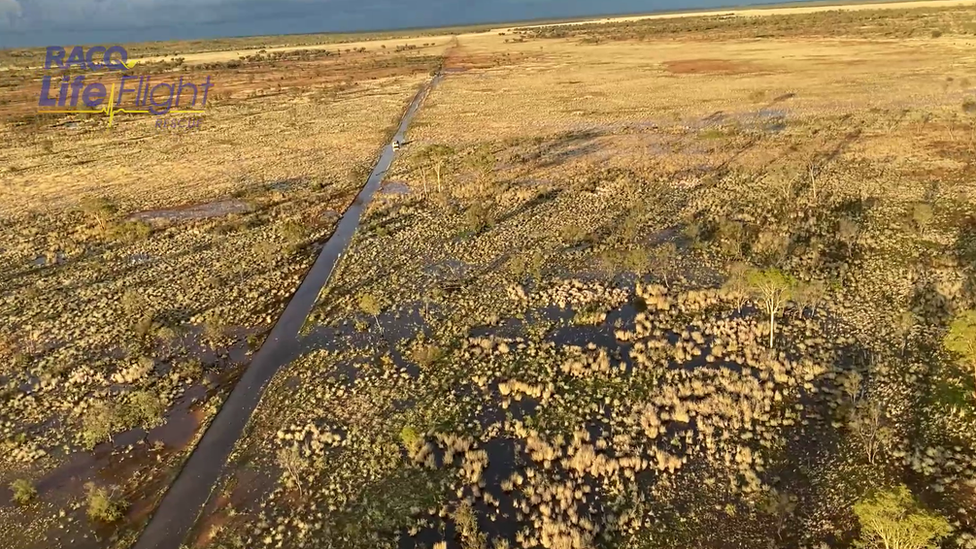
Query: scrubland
{"type": "Point", "coordinates": [141, 267]}
{"type": "Point", "coordinates": [699, 281]}
{"type": "Point", "coordinates": [639, 286]}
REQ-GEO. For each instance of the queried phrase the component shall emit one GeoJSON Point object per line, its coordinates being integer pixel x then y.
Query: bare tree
{"type": "Point", "coordinates": [848, 232]}
{"type": "Point", "coordinates": [772, 289]}
{"type": "Point", "coordinates": [483, 162]}
{"type": "Point", "coordinates": [851, 383]}
{"type": "Point", "coordinates": [737, 285]}
{"type": "Point", "coordinates": [809, 296]}
{"type": "Point", "coordinates": [814, 170]}
{"type": "Point", "coordinates": [906, 323]}
{"type": "Point", "coordinates": [290, 459]}
{"type": "Point", "coordinates": [438, 156]}
{"type": "Point", "coordinates": [781, 506]}
{"type": "Point", "coordinates": [870, 427]}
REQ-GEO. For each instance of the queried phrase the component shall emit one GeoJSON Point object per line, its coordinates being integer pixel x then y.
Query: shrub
{"type": "Point", "coordinates": [143, 409]}
{"type": "Point", "coordinates": [133, 303]}
{"type": "Point", "coordinates": [99, 422]}
{"type": "Point", "coordinates": [467, 527]}
{"type": "Point", "coordinates": [99, 208]}
{"type": "Point", "coordinates": [426, 355]}
{"type": "Point", "coordinates": [894, 519]}
{"type": "Point", "coordinates": [524, 265]}
{"type": "Point", "coordinates": [663, 259]}
{"type": "Point", "coordinates": [961, 339]}
{"type": "Point", "coordinates": [23, 491]}
{"type": "Point", "coordinates": [369, 304]}
{"type": "Point", "coordinates": [572, 234]}
{"type": "Point", "coordinates": [922, 216]}
{"type": "Point", "coordinates": [214, 327]}
{"type": "Point", "coordinates": [477, 218]}
{"type": "Point", "coordinates": [293, 231]}
{"type": "Point", "coordinates": [103, 505]}
{"type": "Point", "coordinates": [410, 438]}
{"type": "Point", "coordinates": [639, 261]}
{"type": "Point", "coordinates": [131, 231]}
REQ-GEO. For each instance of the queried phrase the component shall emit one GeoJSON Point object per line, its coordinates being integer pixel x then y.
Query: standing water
{"type": "Point", "coordinates": [185, 499]}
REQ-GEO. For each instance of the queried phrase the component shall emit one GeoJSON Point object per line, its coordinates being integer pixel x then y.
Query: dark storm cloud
{"type": "Point", "coordinates": [44, 22]}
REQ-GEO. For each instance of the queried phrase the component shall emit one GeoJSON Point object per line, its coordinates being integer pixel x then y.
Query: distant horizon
{"type": "Point", "coordinates": [32, 23]}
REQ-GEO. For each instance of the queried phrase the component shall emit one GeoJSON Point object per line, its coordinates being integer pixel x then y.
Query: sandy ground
{"type": "Point", "coordinates": [444, 41]}
{"type": "Point", "coordinates": [758, 11]}
{"type": "Point", "coordinates": [440, 43]}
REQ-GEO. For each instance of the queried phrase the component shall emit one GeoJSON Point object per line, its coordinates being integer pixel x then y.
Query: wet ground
{"type": "Point", "coordinates": [180, 507]}
{"type": "Point", "coordinates": [193, 212]}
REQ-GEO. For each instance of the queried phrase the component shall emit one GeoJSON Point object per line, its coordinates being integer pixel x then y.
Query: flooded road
{"type": "Point", "coordinates": [181, 506]}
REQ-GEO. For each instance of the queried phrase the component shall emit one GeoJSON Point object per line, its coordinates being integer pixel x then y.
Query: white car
{"type": "Point", "coordinates": [396, 145]}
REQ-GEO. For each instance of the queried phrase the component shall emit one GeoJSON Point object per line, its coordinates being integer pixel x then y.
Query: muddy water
{"type": "Point", "coordinates": [182, 504]}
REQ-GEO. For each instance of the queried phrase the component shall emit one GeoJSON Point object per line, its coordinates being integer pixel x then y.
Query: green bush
{"type": "Point", "coordinates": [142, 409]}
{"type": "Point", "coordinates": [410, 438]}
{"type": "Point", "coordinates": [99, 422]}
{"type": "Point", "coordinates": [103, 505]}
{"type": "Point", "coordinates": [23, 491]}
{"type": "Point", "coordinates": [477, 218]}
{"type": "Point", "coordinates": [130, 231]}
{"type": "Point", "coordinates": [99, 208]}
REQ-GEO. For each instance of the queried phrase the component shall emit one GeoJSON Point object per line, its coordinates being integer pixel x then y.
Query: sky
{"type": "Point", "coordinates": [31, 23]}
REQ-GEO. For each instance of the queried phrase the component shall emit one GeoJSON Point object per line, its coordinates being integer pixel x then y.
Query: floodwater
{"type": "Point", "coordinates": [193, 212]}
{"type": "Point", "coordinates": [186, 498]}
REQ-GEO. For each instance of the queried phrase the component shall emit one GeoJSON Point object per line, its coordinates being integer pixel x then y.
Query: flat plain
{"type": "Point", "coordinates": [698, 281]}
{"type": "Point", "coordinates": [143, 266]}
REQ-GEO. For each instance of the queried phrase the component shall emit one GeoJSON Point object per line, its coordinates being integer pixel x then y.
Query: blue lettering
{"type": "Point", "coordinates": [116, 65]}
{"type": "Point", "coordinates": [123, 89]}
{"type": "Point", "coordinates": [76, 85]}
{"type": "Point", "coordinates": [92, 65]}
{"type": "Point", "coordinates": [63, 94]}
{"type": "Point", "coordinates": [179, 92]}
{"type": "Point", "coordinates": [76, 57]}
{"type": "Point", "coordinates": [55, 56]}
{"type": "Point", "coordinates": [46, 99]}
{"type": "Point", "coordinates": [161, 107]}
{"type": "Point", "coordinates": [94, 95]}
{"type": "Point", "coordinates": [206, 90]}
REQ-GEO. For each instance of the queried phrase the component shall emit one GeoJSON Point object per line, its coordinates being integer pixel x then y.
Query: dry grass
{"type": "Point", "coordinates": [565, 297]}
{"type": "Point", "coordinates": [137, 259]}
{"type": "Point", "coordinates": [581, 168]}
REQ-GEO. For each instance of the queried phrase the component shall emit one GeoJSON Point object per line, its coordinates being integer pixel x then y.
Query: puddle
{"type": "Point", "coordinates": [193, 212]}
{"type": "Point", "coordinates": [395, 188]}
{"type": "Point", "coordinates": [284, 185]}
{"type": "Point", "coordinates": [45, 260]}
{"type": "Point", "coordinates": [139, 259]}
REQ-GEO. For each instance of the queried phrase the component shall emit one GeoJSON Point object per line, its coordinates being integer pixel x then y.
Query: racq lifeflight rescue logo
{"type": "Point", "coordinates": [131, 94]}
